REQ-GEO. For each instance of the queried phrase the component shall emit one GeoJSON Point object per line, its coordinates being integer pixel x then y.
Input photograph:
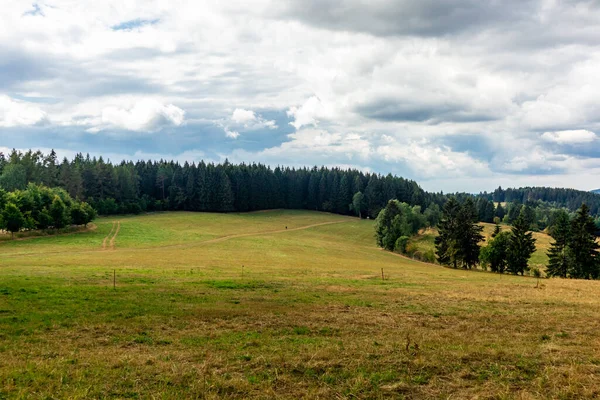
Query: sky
{"type": "Point", "coordinates": [459, 95]}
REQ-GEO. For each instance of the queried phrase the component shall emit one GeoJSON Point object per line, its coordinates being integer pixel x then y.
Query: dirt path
{"type": "Point", "coordinates": [112, 241]}
{"type": "Point", "coordinates": [301, 228]}
{"type": "Point", "coordinates": [108, 236]}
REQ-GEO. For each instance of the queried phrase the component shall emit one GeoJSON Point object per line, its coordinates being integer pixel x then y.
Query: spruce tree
{"type": "Point", "coordinates": [584, 249]}
{"type": "Point", "coordinates": [446, 245]}
{"type": "Point", "coordinates": [559, 253]}
{"type": "Point", "coordinates": [469, 235]}
{"type": "Point", "coordinates": [521, 246]}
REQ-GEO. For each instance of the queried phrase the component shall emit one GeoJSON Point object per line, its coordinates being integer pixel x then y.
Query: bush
{"type": "Point", "coordinates": [401, 244]}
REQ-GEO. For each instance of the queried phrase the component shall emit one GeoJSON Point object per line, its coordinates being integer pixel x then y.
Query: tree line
{"type": "Point", "coordinates": [41, 208]}
{"type": "Point", "coordinates": [130, 187]}
{"type": "Point", "coordinates": [570, 199]}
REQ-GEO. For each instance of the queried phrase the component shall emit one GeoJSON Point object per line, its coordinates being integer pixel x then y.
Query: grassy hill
{"type": "Point", "coordinates": [237, 306]}
{"type": "Point", "coordinates": [424, 243]}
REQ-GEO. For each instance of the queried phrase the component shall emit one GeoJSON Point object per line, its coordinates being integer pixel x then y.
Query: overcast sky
{"type": "Point", "coordinates": [460, 95]}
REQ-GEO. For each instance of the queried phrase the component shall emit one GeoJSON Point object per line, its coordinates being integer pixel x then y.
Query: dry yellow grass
{"type": "Point", "coordinates": [309, 318]}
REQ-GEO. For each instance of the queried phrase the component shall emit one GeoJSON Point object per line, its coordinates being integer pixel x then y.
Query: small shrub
{"type": "Point", "coordinates": [401, 244]}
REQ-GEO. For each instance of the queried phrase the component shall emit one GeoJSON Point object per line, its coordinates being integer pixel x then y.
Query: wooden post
{"type": "Point", "coordinates": [382, 276]}
{"type": "Point", "coordinates": [242, 271]}
{"type": "Point", "coordinates": [114, 279]}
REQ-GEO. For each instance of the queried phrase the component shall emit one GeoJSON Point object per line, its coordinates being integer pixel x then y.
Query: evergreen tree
{"type": "Point", "coordinates": [496, 230]}
{"type": "Point", "coordinates": [446, 243]}
{"type": "Point", "coordinates": [469, 235]}
{"type": "Point", "coordinates": [583, 246]}
{"type": "Point", "coordinates": [521, 246]}
{"type": "Point", "coordinates": [499, 212]}
{"type": "Point", "coordinates": [559, 258]}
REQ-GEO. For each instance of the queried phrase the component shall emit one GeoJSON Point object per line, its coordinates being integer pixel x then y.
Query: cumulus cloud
{"type": "Point", "coordinates": [506, 87]}
{"type": "Point", "coordinates": [570, 136]}
{"type": "Point", "coordinates": [243, 120]}
{"type": "Point", "coordinates": [14, 113]}
{"type": "Point", "coordinates": [145, 115]}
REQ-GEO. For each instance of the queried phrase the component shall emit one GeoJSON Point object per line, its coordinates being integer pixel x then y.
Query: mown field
{"type": "Point", "coordinates": [237, 306]}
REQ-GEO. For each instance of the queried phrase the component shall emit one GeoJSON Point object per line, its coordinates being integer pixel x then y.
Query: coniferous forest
{"type": "Point", "coordinates": [143, 186]}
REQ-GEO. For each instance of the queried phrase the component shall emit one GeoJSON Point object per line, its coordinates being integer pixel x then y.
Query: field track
{"type": "Point", "coordinates": [112, 241]}
{"type": "Point", "coordinates": [111, 237]}
{"type": "Point", "coordinates": [108, 236]}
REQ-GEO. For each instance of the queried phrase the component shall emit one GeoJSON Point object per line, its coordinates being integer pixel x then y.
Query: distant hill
{"type": "Point", "coordinates": [557, 197]}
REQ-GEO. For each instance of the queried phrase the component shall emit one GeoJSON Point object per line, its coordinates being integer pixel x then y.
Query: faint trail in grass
{"type": "Point", "coordinates": [301, 228]}
{"type": "Point", "coordinates": [112, 241]}
{"type": "Point", "coordinates": [112, 228]}
{"type": "Point", "coordinates": [189, 245]}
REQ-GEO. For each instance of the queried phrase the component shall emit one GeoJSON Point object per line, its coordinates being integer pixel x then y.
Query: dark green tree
{"type": "Point", "coordinates": [583, 246]}
{"type": "Point", "coordinates": [496, 251]}
{"type": "Point", "coordinates": [559, 257]}
{"type": "Point", "coordinates": [521, 246]}
{"type": "Point", "coordinates": [446, 243]}
{"type": "Point", "coordinates": [59, 213]}
{"type": "Point", "coordinates": [12, 219]}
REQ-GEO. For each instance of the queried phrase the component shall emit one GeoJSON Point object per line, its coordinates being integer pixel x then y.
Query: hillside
{"type": "Point", "coordinates": [279, 304]}
{"type": "Point", "coordinates": [424, 243]}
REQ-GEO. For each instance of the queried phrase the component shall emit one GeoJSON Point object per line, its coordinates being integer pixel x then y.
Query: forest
{"type": "Point", "coordinates": [142, 186]}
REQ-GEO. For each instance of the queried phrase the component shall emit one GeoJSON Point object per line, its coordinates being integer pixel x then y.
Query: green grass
{"type": "Point", "coordinates": [308, 316]}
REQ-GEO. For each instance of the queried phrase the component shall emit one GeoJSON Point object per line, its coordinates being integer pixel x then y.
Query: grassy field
{"type": "Point", "coordinates": [237, 306]}
{"type": "Point", "coordinates": [425, 242]}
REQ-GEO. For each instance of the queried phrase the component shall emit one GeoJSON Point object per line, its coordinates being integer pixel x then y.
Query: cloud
{"type": "Point", "coordinates": [415, 88]}
{"type": "Point", "coordinates": [570, 137]}
{"type": "Point", "coordinates": [242, 116]}
{"type": "Point", "coordinates": [144, 116]}
{"type": "Point", "coordinates": [245, 121]}
{"type": "Point", "coordinates": [231, 134]}
{"type": "Point", "coordinates": [14, 113]}
{"type": "Point", "coordinates": [309, 113]}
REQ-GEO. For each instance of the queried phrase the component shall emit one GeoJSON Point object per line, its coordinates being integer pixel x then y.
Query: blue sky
{"type": "Point", "coordinates": [460, 95]}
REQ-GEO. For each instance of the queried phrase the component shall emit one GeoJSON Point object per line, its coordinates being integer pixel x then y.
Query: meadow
{"type": "Point", "coordinates": [279, 304]}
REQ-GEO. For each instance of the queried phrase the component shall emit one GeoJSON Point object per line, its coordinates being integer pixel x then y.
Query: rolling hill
{"type": "Point", "coordinates": [279, 304]}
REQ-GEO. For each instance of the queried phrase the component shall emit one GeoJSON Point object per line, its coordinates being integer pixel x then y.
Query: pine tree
{"type": "Point", "coordinates": [583, 246]}
{"type": "Point", "coordinates": [521, 246]}
{"type": "Point", "coordinates": [469, 234]}
{"type": "Point", "coordinates": [496, 230]}
{"type": "Point", "coordinates": [446, 245]}
{"type": "Point", "coordinates": [559, 259]}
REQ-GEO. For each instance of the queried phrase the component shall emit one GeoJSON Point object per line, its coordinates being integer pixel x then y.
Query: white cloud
{"type": "Point", "coordinates": [145, 115]}
{"type": "Point", "coordinates": [231, 134]}
{"type": "Point", "coordinates": [570, 137]}
{"type": "Point", "coordinates": [439, 93]}
{"type": "Point", "coordinates": [15, 113]}
{"type": "Point", "coordinates": [309, 113]}
{"type": "Point", "coordinates": [241, 116]}
{"type": "Point", "coordinates": [243, 120]}
{"type": "Point", "coordinates": [428, 160]}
